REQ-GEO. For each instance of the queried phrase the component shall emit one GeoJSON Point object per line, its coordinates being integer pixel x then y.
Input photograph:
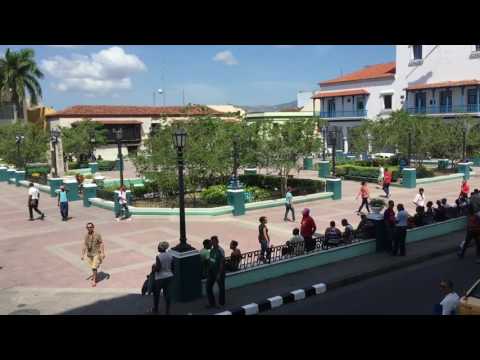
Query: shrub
{"type": "Point", "coordinates": [377, 203]}
{"type": "Point", "coordinates": [273, 183]}
{"type": "Point", "coordinates": [423, 172]}
{"type": "Point", "coordinates": [106, 165]}
{"type": "Point", "coordinates": [258, 194]}
{"type": "Point", "coordinates": [216, 194]}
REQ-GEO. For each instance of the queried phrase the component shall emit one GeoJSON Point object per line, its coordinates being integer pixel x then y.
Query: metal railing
{"type": "Point", "coordinates": [342, 114]}
{"type": "Point", "coordinates": [278, 253]}
{"type": "Point", "coordinates": [445, 109]}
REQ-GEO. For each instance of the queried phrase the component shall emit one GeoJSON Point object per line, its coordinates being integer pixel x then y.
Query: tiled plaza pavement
{"type": "Point", "coordinates": [43, 257]}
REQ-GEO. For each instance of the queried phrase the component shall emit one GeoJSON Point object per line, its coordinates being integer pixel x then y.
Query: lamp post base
{"type": "Point", "coordinates": [183, 247]}
{"type": "Point", "coordinates": [187, 281]}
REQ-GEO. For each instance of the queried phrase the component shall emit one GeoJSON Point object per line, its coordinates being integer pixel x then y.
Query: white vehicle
{"type": "Point", "coordinates": [382, 155]}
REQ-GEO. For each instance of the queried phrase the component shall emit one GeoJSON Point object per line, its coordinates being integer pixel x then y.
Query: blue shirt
{"type": "Point", "coordinates": [402, 218]}
{"type": "Point", "coordinates": [63, 196]}
{"type": "Point", "coordinates": [288, 197]}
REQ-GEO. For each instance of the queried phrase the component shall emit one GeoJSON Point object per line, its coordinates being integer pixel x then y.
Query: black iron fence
{"type": "Point", "coordinates": [278, 253]}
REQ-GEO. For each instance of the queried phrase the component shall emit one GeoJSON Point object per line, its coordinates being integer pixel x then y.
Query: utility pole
{"type": "Point", "coordinates": [409, 147]}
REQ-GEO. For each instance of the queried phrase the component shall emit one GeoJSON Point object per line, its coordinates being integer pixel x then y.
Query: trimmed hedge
{"type": "Point", "coordinates": [273, 183]}
{"type": "Point", "coordinates": [40, 169]}
{"type": "Point", "coordinates": [363, 171]}
{"type": "Point", "coordinates": [106, 165]}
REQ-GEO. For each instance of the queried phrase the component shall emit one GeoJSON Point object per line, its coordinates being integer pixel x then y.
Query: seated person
{"type": "Point", "coordinates": [296, 244]}
{"type": "Point", "coordinates": [332, 234]}
{"type": "Point", "coordinates": [462, 205]}
{"type": "Point", "coordinates": [365, 229]}
{"type": "Point", "coordinates": [419, 218]}
{"type": "Point", "coordinates": [411, 222]}
{"type": "Point", "coordinates": [233, 263]}
{"type": "Point", "coordinates": [429, 214]}
{"type": "Point", "coordinates": [440, 212]}
{"type": "Point", "coordinates": [347, 235]}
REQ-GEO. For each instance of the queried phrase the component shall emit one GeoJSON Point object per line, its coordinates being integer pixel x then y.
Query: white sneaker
{"type": "Point", "coordinates": [129, 219]}
{"type": "Point", "coordinates": [118, 220]}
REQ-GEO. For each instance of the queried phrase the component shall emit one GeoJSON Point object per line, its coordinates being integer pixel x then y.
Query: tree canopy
{"type": "Point", "coordinates": [76, 139]}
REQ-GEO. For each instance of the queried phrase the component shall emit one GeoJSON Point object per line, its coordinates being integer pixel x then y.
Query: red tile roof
{"type": "Point", "coordinates": [443, 84]}
{"type": "Point", "coordinates": [133, 111]}
{"type": "Point", "coordinates": [340, 93]}
{"type": "Point", "coordinates": [377, 71]}
{"type": "Point", "coordinates": [117, 122]}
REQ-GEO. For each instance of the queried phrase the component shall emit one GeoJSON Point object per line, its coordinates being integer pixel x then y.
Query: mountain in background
{"type": "Point", "coordinates": [269, 108]}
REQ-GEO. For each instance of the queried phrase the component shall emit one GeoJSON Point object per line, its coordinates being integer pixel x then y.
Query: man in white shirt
{"type": "Point", "coordinates": [420, 198]}
{"type": "Point", "coordinates": [381, 173]}
{"type": "Point", "coordinates": [122, 201]}
{"type": "Point", "coordinates": [451, 300]}
{"type": "Point", "coordinates": [33, 199]}
{"type": "Point", "coordinates": [163, 276]}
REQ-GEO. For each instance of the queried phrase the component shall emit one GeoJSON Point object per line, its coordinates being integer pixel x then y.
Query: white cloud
{"type": "Point", "coordinates": [226, 57]}
{"type": "Point", "coordinates": [66, 46]}
{"type": "Point", "coordinates": [102, 72]}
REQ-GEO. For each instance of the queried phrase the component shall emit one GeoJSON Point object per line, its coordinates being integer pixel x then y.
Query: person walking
{"type": "Point", "coordinates": [451, 301]}
{"type": "Point", "coordinates": [307, 229]}
{"type": "Point", "coordinates": [94, 248]}
{"type": "Point", "coordinates": [288, 204]}
{"type": "Point", "coordinates": [473, 232]}
{"type": "Point", "coordinates": [264, 239]}
{"type": "Point", "coordinates": [62, 203]}
{"type": "Point", "coordinates": [387, 180]}
{"type": "Point", "coordinates": [464, 189]}
{"type": "Point", "coordinates": [216, 274]}
{"type": "Point", "coordinates": [420, 198]}
{"type": "Point", "coordinates": [389, 218]}
{"type": "Point", "coordinates": [163, 277]}
{"type": "Point", "coordinates": [400, 231]}
{"type": "Point", "coordinates": [33, 199]}
{"type": "Point", "coordinates": [381, 175]}
{"type": "Point", "coordinates": [122, 201]}
{"type": "Point", "coordinates": [364, 193]}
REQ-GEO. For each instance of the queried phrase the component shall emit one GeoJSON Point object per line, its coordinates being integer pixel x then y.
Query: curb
{"type": "Point", "coordinates": [277, 301]}
{"type": "Point", "coordinates": [321, 288]}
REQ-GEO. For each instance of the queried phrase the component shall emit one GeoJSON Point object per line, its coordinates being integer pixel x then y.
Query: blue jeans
{"type": "Point", "coordinates": [123, 209]}
{"type": "Point", "coordinates": [64, 210]}
{"type": "Point", "coordinates": [264, 249]}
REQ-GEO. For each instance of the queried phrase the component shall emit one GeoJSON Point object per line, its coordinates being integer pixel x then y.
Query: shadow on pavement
{"type": "Point", "coordinates": [132, 304]}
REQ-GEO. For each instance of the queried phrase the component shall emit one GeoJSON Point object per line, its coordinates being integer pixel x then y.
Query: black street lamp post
{"type": "Point", "coordinates": [93, 141]}
{"type": "Point", "coordinates": [179, 141]}
{"type": "Point", "coordinates": [235, 161]}
{"type": "Point", "coordinates": [324, 133]}
{"type": "Point", "coordinates": [333, 140]}
{"type": "Point", "coordinates": [464, 143]}
{"type": "Point", "coordinates": [18, 140]}
{"type": "Point", "coordinates": [55, 134]}
{"type": "Point", "coordinates": [118, 137]}
{"type": "Point", "coordinates": [409, 148]}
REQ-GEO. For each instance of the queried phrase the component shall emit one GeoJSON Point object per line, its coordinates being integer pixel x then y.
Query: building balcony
{"type": "Point", "coordinates": [445, 109]}
{"type": "Point", "coordinates": [355, 114]}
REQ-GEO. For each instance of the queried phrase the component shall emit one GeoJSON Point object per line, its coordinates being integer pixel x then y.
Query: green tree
{"type": "Point", "coordinates": [76, 139]}
{"type": "Point", "coordinates": [33, 148]}
{"type": "Point", "coordinates": [19, 74]}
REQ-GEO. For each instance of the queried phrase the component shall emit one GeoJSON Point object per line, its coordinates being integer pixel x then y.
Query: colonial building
{"type": "Point", "coordinates": [434, 80]}
{"type": "Point", "coordinates": [136, 122]}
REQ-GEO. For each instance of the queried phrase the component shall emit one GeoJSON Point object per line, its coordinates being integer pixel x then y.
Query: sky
{"type": "Point", "coordinates": [205, 74]}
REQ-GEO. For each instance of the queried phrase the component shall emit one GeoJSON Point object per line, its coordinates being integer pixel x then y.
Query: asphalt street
{"type": "Point", "coordinates": [409, 291]}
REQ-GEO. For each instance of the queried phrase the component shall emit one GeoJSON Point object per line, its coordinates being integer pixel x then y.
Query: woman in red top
{"type": "Point", "coordinates": [307, 229]}
{"type": "Point", "coordinates": [387, 180]}
{"type": "Point", "coordinates": [465, 189]}
{"type": "Point", "coordinates": [365, 194]}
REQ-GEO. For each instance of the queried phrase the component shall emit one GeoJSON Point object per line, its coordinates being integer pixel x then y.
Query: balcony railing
{"type": "Point", "coordinates": [342, 114]}
{"type": "Point", "coordinates": [445, 109]}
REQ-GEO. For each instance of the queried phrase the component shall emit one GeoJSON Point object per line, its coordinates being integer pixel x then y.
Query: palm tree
{"type": "Point", "coordinates": [19, 71]}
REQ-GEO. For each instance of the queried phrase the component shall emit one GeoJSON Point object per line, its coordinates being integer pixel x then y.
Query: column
{"type": "Point", "coordinates": [72, 189]}
{"type": "Point", "coordinates": [3, 174]}
{"type": "Point", "coordinates": [89, 192]}
{"type": "Point", "coordinates": [308, 163]}
{"type": "Point", "coordinates": [236, 198]}
{"type": "Point", "coordinates": [409, 178]}
{"type": "Point", "coordinates": [54, 184]}
{"type": "Point", "coordinates": [19, 176]}
{"type": "Point", "coordinates": [187, 282]}
{"type": "Point", "coordinates": [11, 175]}
{"type": "Point", "coordinates": [380, 231]}
{"type": "Point", "coordinates": [335, 186]}
{"type": "Point", "coordinates": [324, 169]}
{"type": "Point", "coordinates": [93, 167]}
{"type": "Point", "coordinates": [465, 169]}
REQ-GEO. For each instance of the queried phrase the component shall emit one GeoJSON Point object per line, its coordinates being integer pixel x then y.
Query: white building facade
{"type": "Point", "coordinates": [434, 80]}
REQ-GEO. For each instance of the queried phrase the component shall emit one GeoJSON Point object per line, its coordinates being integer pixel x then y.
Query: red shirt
{"type": "Point", "coordinates": [387, 178]}
{"type": "Point", "coordinates": [307, 226]}
{"type": "Point", "coordinates": [465, 188]}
